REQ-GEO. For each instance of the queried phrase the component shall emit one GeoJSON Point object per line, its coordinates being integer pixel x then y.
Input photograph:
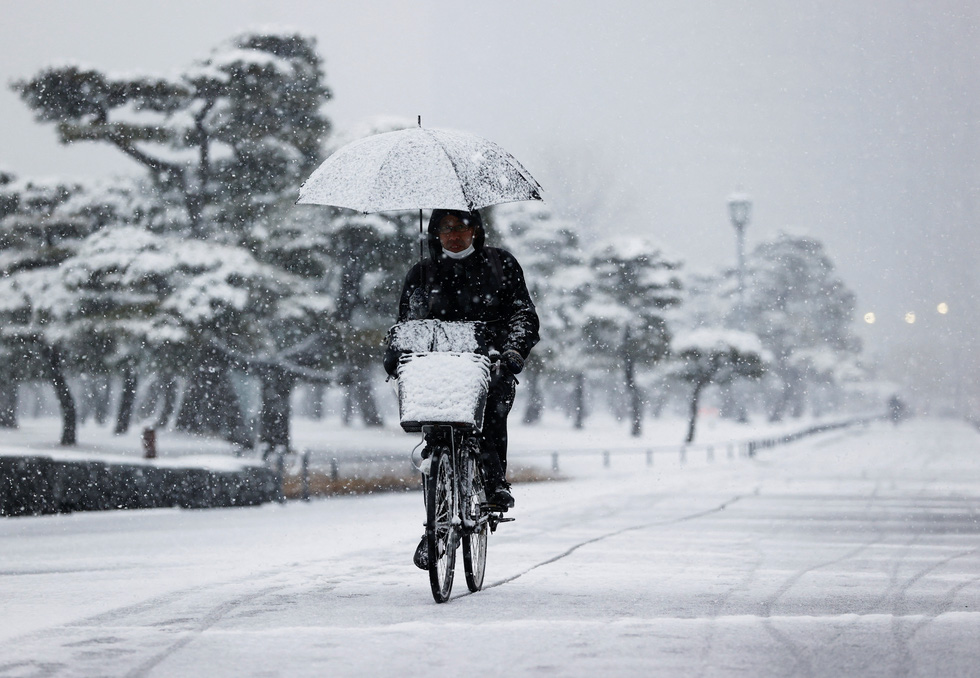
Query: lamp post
{"type": "Point", "coordinates": [739, 209]}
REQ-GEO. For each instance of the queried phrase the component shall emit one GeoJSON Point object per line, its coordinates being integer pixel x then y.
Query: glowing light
{"type": "Point", "coordinates": [910, 317]}
{"type": "Point", "coordinates": [943, 308]}
{"type": "Point", "coordinates": [869, 318]}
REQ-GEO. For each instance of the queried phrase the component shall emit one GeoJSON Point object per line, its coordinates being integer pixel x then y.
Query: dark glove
{"type": "Point", "coordinates": [391, 361]}
{"type": "Point", "coordinates": [512, 361]}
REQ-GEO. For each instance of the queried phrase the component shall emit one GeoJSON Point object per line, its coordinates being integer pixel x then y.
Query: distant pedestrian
{"type": "Point", "coordinates": [896, 409]}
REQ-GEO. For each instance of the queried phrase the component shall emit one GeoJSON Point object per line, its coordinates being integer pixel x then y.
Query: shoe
{"type": "Point", "coordinates": [501, 497]}
{"type": "Point", "coordinates": [421, 558]}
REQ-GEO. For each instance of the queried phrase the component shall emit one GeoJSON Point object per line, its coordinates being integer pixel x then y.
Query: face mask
{"type": "Point", "coordinates": [460, 255]}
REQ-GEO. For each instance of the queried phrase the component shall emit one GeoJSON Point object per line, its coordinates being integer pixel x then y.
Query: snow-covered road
{"type": "Point", "coordinates": [851, 553]}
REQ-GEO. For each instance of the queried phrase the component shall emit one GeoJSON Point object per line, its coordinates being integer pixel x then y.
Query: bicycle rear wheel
{"type": "Point", "coordinates": [441, 531]}
{"type": "Point", "coordinates": [475, 540]}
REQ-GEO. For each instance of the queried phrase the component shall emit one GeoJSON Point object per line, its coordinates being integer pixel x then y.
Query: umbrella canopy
{"type": "Point", "coordinates": [419, 168]}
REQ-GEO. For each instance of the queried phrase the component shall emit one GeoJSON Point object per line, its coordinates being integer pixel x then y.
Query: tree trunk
{"type": "Point", "coordinates": [535, 399]}
{"type": "Point", "coordinates": [160, 399]}
{"type": "Point", "coordinates": [126, 400]}
{"type": "Point", "coordinates": [732, 406]}
{"type": "Point", "coordinates": [169, 386]}
{"type": "Point", "coordinates": [633, 393]}
{"type": "Point", "coordinates": [693, 413]}
{"type": "Point", "coordinates": [315, 403]}
{"type": "Point", "coordinates": [210, 405]}
{"type": "Point", "coordinates": [101, 392]}
{"type": "Point", "coordinates": [69, 422]}
{"type": "Point", "coordinates": [86, 397]}
{"type": "Point", "coordinates": [275, 415]}
{"type": "Point", "coordinates": [363, 397]}
{"type": "Point", "coordinates": [658, 402]}
{"type": "Point", "coordinates": [578, 400]}
{"type": "Point", "coordinates": [347, 404]}
{"type": "Point", "coordinates": [798, 399]}
{"type": "Point", "coordinates": [778, 409]}
{"type": "Point", "coordinates": [8, 403]}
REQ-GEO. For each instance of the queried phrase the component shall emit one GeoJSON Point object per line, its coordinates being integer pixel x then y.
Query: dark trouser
{"type": "Point", "coordinates": [493, 440]}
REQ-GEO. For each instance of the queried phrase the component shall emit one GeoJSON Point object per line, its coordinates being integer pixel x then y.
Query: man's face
{"type": "Point", "coordinates": [454, 235]}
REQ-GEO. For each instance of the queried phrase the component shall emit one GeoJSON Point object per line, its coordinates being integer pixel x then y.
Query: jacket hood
{"type": "Point", "coordinates": [471, 218]}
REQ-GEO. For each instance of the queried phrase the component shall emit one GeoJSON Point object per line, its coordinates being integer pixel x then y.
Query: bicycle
{"type": "Point", "coordinates": [443, 376]}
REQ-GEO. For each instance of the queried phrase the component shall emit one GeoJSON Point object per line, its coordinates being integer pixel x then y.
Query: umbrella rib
{"type": "Point", "coordinates": [449, 157]}
{"type": "Point", "coordinates": [377, 177]}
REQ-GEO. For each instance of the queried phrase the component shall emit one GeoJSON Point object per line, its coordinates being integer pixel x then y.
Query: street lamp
{"type": "Point", "coordinates": [739, 209]}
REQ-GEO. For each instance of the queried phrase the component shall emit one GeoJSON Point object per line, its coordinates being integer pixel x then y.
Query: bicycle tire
{"type": "Point", "coordinates": [475, 540]}
{"type": "Point", "coordinates": [441, 531]}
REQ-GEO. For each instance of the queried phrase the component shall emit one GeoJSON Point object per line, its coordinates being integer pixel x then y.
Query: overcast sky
{"type": "Point", "coordinates": [856, 121]}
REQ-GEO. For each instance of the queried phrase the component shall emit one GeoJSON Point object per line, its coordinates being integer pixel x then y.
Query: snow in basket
{"type": "Point", "coordinates": [447, 388]}
{"type": "Point", "coordinates": [419, 336]}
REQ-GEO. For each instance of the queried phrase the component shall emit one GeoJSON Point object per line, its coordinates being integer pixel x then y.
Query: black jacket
{"type": "Point", "coordinates": [488, 285]}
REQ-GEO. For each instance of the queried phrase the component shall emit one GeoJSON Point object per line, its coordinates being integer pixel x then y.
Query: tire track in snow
{"type": "Point", "coordinates": [608, 535]}
{"type": "Point", "coordinates": [718, 606]}
{"type": "Point", "coordinates": [216, 614]}
{"type": "Point", "coordinates": [185, 613]}
{"type": "Point", "coordinates": [904, 631]}
{"type": "Point", "coordinates": [803, 656]}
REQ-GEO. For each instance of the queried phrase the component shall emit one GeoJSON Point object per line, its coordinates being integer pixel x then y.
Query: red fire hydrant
{"type": "Point", "coordinates": [149, 443]}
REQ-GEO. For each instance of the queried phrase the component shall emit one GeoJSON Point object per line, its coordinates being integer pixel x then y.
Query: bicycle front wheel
{"type": "Point", "coordinates": [475, 557]}
{"type": "Point", "coordinates": [441, 530]}
{"type": "Point", "coordinates": [475, 540]}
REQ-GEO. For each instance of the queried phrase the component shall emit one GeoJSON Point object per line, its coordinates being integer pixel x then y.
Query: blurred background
{"type": "Point", "coordinates": [855, 124]}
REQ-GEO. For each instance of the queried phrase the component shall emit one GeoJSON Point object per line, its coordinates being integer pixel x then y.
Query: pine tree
{"type": "Point", "coordinates": [548, 249]}
{"type": "Point", "coordinates": [712, 356]}
{"type": "Point", "coordinates": [803, 313]}
{"type": "Point", "coordinates": [223, 142]}
{"type": "Point", "coordinates": [625, 317]}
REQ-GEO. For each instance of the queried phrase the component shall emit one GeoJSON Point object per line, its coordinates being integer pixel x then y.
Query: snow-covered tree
{"type": "Point", "coordinates": [803, 313]}
{"type": "Point", "coordinates": [163, 299]}
{"type": "Point", "coordinates": [358, 260]}
{"type": "Point", "coordinates": [549, 252]}
{"type": "Point", "coordinates": [42, 224]}
{"type": "Point", "coordinates": [625, 326]}
{"type": "Point", "coordinates": [224, 138]}
{"type": "Point", "coordinates": [714, 356]}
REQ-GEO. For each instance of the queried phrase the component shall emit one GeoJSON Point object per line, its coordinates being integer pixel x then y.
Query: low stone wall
{"type": "Point", "coordinates": [35, 485]}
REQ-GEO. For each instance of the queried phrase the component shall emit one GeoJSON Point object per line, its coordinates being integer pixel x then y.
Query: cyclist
{"type": "Point", "coordinates": [465, 280]}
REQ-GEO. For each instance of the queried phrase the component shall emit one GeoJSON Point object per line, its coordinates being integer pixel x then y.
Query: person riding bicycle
{"type": "Point", "coordinates": [464, 280]}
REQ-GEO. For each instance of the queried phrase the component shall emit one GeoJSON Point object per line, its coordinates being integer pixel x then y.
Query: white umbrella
{"type": "Point", "coordinates": [419, 168]}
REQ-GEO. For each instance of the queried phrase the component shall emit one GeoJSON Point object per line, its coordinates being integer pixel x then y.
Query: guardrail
{"type": "Point", "coordinates": [684, 451]}
{"type": "Point", "coordinates": [367, 465]}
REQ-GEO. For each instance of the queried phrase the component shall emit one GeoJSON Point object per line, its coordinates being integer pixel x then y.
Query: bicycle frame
{"type": "Point", "coordinates": [462, 447]}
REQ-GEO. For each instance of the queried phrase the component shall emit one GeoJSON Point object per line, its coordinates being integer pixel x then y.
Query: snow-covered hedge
{"type": "Point", "coordinates": [34, 485]}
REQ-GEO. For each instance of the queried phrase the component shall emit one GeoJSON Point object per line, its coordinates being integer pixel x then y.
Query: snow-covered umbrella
{"type": "Point", "coordinates": [419, 168]}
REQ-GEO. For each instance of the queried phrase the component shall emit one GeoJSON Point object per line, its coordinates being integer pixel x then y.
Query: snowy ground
{"type": "Point", "coordinates": [849, 553]}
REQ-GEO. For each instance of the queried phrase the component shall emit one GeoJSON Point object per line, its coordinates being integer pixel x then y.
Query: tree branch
{"type": "Point", "coordinates": [278, 362]}
{"type": "Point", "coordinates": [145, 159]}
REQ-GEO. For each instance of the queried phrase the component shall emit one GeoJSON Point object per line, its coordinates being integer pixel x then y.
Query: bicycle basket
{"type": "Point", "coordinates": [442, 388]}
